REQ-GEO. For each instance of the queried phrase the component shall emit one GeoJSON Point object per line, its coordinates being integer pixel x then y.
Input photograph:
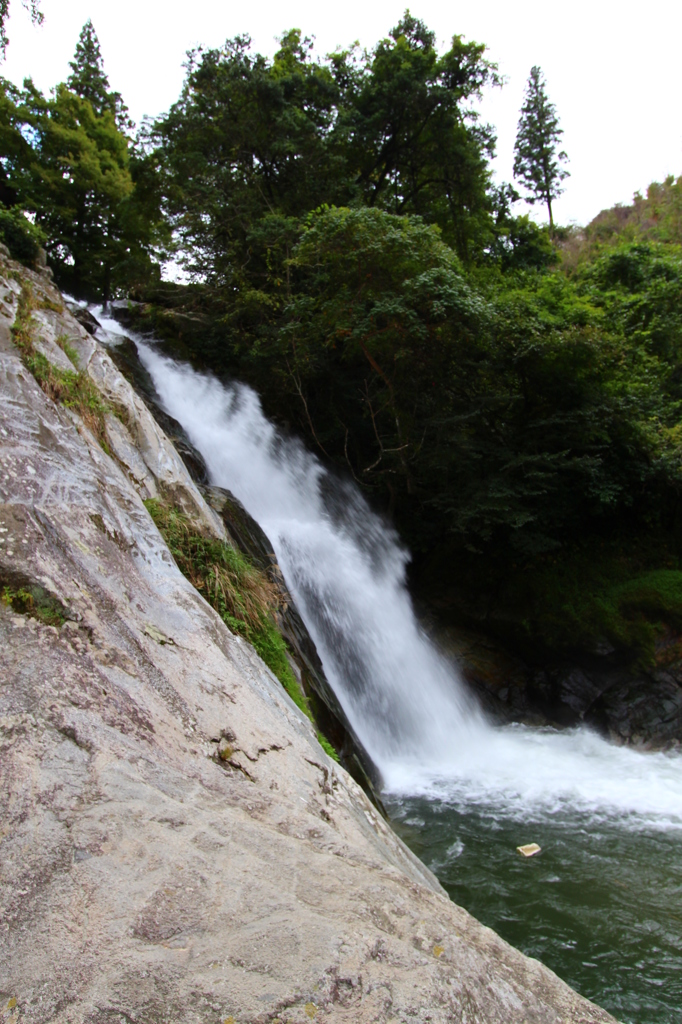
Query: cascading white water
{"type": "Point", "coordinates": [342, 565]}
{"type": "Point", "coordinates": [345, 570]}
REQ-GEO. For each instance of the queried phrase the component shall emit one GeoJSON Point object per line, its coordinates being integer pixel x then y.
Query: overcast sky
{"type": "Point", "coordinates": [613, 69]}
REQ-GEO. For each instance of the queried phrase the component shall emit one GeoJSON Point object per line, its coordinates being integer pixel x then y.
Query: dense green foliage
{"type": "Point", "coordinates": [20, 235]}
{"type": "Point", "coordinates": [92, 194]}
{"type": "Point", "coordinates": [253, 145]}
{"type": "Point", "coordinates": [605, 590]}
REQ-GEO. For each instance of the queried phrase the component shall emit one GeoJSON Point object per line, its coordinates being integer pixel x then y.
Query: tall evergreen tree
{"type": "Point", "coordinates": [94, 193]}
{"type": "Point", "coordinates": [80, 177]}
{"type": "Point", "coordinates": [537, 164]}
{"type": "Point", "coordinates": [89, 81]}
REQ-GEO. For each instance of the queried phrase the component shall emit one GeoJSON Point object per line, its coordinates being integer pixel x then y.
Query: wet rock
{"type": "Point", "coordinates": [84, 317]}
{"type": "Point", "coordinates": [124, 355]}
{"type": "Point", "coordinates": [643, 708]}
{"type": "Point", "coordinates": [121, 444]}
{"type": "Point", "coordinates": [248, 537]}
{"type": "Point", "coordinates": [577, 690]}
{"type": "Point", "coordinates": [144, 878]}
{"type": "Point", "coordinates": [645, 711]}
{"type": "Point", "coordinates": [500, 681]}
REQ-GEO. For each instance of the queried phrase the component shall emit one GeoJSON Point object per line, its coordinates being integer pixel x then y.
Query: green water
{"type": "Point", "coordinates": [601, 905]}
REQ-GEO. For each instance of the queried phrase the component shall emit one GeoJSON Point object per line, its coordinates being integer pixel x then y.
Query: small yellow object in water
{"type": "Point", "coordinates": [438, 950]}
{"type": "Point", "coordinates": [529, 850]}
{"type": "Point", "coordinates": [310, 1009]}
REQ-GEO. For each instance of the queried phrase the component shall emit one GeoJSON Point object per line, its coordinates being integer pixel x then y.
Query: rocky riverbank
{"type": "Point", "coordinates": [628, 703]}
{"type": "Point", "coordinates": [175, 844]}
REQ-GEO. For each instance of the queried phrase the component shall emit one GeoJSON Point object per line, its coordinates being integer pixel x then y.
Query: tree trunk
{"type": "Point", "coordinates": [548, 195]}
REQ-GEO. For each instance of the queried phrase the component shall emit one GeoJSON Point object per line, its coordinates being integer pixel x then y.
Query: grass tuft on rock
{"type": "Point", "coordinates": [243, 596]}
{"type": "Point", "coordinates": [67, 348]}
{"type": "Point", "coordinates": [71, 388]}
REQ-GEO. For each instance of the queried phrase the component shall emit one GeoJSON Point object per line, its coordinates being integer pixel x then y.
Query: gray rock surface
{"type": "Point", "coordinates": [174, 844]}
{"type": "Point", "coordinates": [604, 689]}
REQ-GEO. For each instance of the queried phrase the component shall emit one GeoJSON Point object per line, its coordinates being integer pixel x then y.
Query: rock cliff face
{"type": "Point", "coordinates": [602, 689]}
{"type": "Point", "coordinates": [246, 535]}
{"type": "Point", "coordinates": [175, 845]}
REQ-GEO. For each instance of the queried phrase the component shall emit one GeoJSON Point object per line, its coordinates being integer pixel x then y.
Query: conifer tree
{"type": "Point", "coordinates": [36, 17]}
{"type": "Point", "coordinates": [80, 180]}
{"type": "Point", "coordinates": [93, 191]}
{"type": "Point", "coordinates": [537, 165]}
{"type": "Point", "coordinates": [89, 81]}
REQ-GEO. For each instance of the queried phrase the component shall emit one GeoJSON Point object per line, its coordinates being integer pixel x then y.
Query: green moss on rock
{"type": "Point", "coordinates": [35, 602]}
{"type": "Point", "coordinates": [239, 591]}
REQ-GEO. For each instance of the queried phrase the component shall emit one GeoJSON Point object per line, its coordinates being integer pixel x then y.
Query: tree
{"type": "Point", "coordinates": [95, 196]}
{"type": "Point", "coordinates": [79, 177]}
{"type": "Point", "coordinates": [248, 139]}
{"type": "Point", "coordinates": [88, 80]}
{"type": "Point", "coordinates": [36, 17]}
{"type": "Point", "coordinates": [537, 165]}
{"type": "Point", "coordinates": [415, 139]}
{"type": "Point", "coordinates": [15, 150]}
{"type": "Point", "coordinates": [251, 139]}
{"type": "Point", "coordinates": [379, 305]}
{"type": "Point", "coordinates": [92, 192]}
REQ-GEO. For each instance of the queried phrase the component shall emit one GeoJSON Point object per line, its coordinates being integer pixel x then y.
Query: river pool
{"type": "Point", "coordinates": [601, 904]}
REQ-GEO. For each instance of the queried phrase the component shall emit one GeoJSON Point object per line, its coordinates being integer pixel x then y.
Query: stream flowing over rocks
{"type": "Point", "coordinates": [142, 876]}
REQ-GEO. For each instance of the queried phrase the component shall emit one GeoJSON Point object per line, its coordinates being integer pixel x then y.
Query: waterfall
{"type": "Point", "coordinates": [343, 566]}
{"type": "Point", "coordinates": [345, 569]}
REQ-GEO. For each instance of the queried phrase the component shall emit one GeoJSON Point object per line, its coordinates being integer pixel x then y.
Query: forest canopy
{"type": "Point", "coordinates": [392, 129]}
{"type": "Point", "coordinates": [511, 398]}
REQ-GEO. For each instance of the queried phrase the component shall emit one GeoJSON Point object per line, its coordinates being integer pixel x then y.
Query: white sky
{"type": "Point", "coordinates": [613, 69]}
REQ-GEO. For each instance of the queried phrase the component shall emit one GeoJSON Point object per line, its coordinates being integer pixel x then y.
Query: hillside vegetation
{"type": "Point", "coordinates": [511, 400]}
{"type": "Point", "coordinates": [521, 425]}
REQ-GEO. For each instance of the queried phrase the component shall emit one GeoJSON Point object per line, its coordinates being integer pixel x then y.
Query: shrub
{"type": "Point", "coordinates": [22, 238]}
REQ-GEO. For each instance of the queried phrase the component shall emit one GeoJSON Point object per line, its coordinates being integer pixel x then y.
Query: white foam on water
{"type": "Point", "coordinates": [345, 569]}
{"type": "Point", "coordinates": [531, 773]}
